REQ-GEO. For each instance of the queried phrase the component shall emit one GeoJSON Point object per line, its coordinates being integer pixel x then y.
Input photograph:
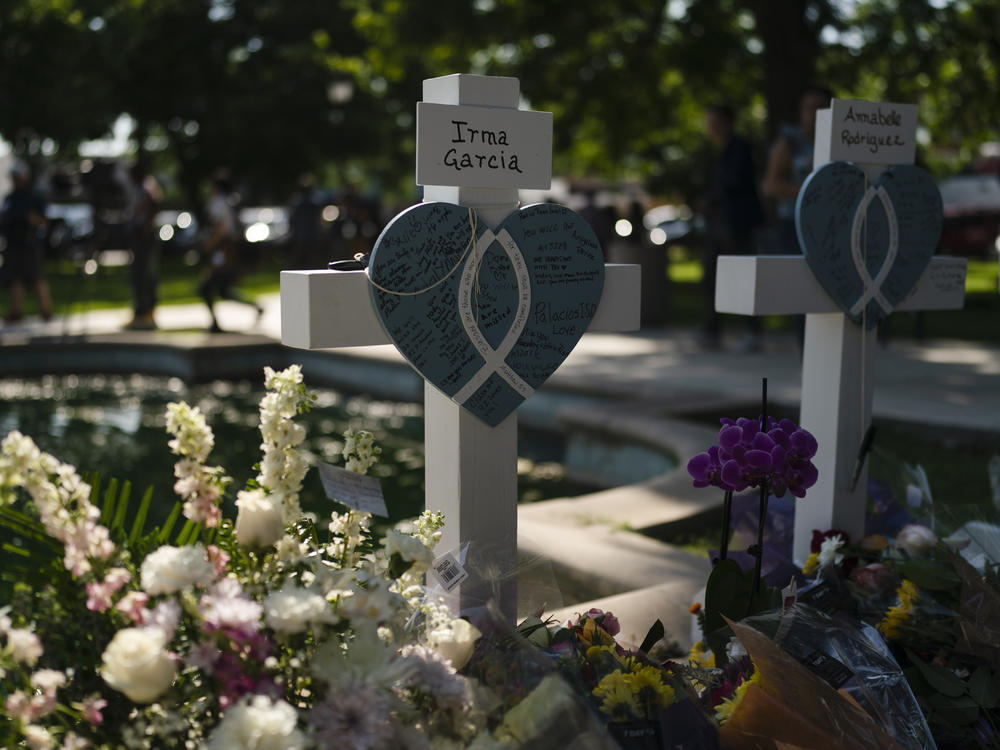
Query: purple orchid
{"type": "Point", "coordinates": [747, 456]}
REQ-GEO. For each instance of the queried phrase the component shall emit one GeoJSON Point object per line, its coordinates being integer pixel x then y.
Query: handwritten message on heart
{"type": "Point", "coordinates": [486, 315]}
{"type": "Point", "coordinates": [868, 243]}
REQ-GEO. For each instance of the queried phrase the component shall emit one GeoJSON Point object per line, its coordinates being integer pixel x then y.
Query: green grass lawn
{"type": "Point", "coordinates": [73, 290]}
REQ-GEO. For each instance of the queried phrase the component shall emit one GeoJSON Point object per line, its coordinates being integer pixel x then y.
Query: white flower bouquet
{"type": "Point", "coordinates": [270, 631]}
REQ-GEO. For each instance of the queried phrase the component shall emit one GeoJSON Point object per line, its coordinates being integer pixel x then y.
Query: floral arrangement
{"type": "Point", "coordinates": [643, 701]}
{"type": "Point", "coordinates": [937, 612]}
{"type": "Point", "coordinates": [773, 457]}
{"type": "Point", "coordinates": [273, 630]}
{"type": "Point", "coordinates": [899, 620]}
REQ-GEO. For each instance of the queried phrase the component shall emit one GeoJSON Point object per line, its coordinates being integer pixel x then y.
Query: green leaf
{"type": "Point", "coordinates": [168, 525]}
{"type": "Point", "coordinates": [24, 525]}
{"type": "Point", "coordinates": [110, 496]}
{"type": "Point", "coordinates": [655, 633]}
{"type": "Point", "coordinates": [122, 507]}
{"type": "Point", "coordinates": [984, 687]}
{"type": "Point", "coordinates": [140, 517]}
{"type": "Point", "coordinates": [726, 593]}
{"type": "Point", "coordinates": [15, 550]}
{"type": "Point", "coordinates": [962, 710]}
{"type": "Point", "coordinates": [930, 574]}
{"type": "Point", "coordinates": [190, 527]}
{"type": "Point", "coordinates": [941, 679]}
{"type": "Point", "coordinates": [918, 683]}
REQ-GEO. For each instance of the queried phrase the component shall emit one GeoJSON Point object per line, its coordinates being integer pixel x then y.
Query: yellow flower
{"type": "Point", "coordinates": [895, 617]}
{"type": "Point", "coordinates": [594, 635]}
{"type": "Point", "coordinates": [605, 658]}
{"type": "Point", "coordinates": [812, 562]}
{"type": "Point", "coordinates": [701, 655]}
{"type": "Point", "coordinates": [724, 711]}
{"type": "Point", "coordinates": [617, 700]}
{"type": "Point", "coordinates": [649, 690]}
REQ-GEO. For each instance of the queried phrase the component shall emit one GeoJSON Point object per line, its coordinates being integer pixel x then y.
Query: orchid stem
{"type": "Point", "coordinates": [762, 516]}
{"type": "Point", "coordinates": [759, 549]}
{"type": "Point", "coordinates": [727, 517]}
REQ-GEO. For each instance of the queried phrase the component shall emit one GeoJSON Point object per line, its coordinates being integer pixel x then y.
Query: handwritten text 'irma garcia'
{"type": "Point", "coordinates": [468, 157]}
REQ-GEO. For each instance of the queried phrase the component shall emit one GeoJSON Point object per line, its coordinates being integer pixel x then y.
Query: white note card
{"type": "Point", "coordinates": [357, 491]}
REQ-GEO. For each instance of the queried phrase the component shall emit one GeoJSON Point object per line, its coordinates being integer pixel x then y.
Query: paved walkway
{"type": "Point", "coordinates": [649, 378]}
{"type": "Point", "coordinates": [940, 382]}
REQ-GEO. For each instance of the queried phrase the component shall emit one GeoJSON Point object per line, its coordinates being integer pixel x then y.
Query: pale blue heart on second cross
{"type": "Point", "coordinates": [868, 243]}
{"type": "Point", "coordinates": [486, 322]}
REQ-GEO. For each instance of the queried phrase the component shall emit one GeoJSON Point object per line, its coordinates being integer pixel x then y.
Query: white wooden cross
{"type": "Point", "coordinates": [838, 356]}
{"type": "Point", "coordinates": [471, 468]}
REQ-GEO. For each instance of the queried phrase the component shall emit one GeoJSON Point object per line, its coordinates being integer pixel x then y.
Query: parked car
{"type": "Point", "coordinates": [669, 223]}
{"type": "Point", "coordinates": [70, 229]}
{"type": "Point", "coordinates": [971, 214]}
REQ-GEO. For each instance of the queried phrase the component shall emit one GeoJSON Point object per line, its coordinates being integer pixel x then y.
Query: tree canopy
{"type": "Point", "coordinates": [275, 89]}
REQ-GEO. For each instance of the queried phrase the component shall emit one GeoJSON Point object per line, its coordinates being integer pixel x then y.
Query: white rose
{"type": "Point", "coordinates": [259, 522]}
{"type": "Point", "coordinates": [455, 642]}
{"type": "Point", "coordinates": [293, 609]}
{"type": "Point", "coordinates": [916, 540]}
{"type": "Point", "coordinates": [172, 569]}
{"type": "Point", "coordinates": [257, 722]}
{"type": "Point", "coordinates": [137, 663]}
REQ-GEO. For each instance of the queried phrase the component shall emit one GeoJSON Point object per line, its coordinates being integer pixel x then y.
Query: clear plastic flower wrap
{"type": "Point", "coordinates": [539, 708]}
{"type": "Point", "coordinates": [852, 660]}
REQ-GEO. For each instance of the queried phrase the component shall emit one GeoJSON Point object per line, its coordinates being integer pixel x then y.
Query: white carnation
{"type": "Point", "coordinates": [172, 569]}
{"type": "Point", "coordinates": [259, 521]}
{"type": "Point", "coordinates": [293, 609]}
{"type": "Point", "coordinates": [258, 722]}
{"type": "Point", "coordinates": [829, 551]}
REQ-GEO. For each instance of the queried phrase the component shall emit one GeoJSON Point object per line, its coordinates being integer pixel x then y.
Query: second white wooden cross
{"type": "Point", "coordinates": [838, 356]}
{"type": "Point", "coordinates": [471, 468]}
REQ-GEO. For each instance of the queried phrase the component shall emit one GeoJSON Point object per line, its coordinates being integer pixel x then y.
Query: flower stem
{"type": "Point", "coordinates": [765, 493]}
{"type": "Point", "coordinates": [759, 547]}
{"type": "Point", "coordinates": [727, 517]}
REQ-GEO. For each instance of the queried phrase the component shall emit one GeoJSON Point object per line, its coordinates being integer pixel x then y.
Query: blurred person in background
{"type": "Point", "coordinates": [305, 223]}
{"type": "Point", "coordinates": [222, 248]}
{"type": "Point", "coordinates": [145, 250]}
{"type": "Point", "coordinates": [790, 161]}
{"type": "Point", "coordinates": [732, 214]}
{"type": "Point", "coordinates": [22, 217]}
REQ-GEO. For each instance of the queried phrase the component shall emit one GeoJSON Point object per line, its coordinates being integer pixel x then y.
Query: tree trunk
{"type": "Point", "coordinates": [791, 46]}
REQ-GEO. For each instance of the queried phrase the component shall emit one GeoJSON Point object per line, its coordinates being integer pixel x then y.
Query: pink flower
{"type": "Point", "coordinates": [18, 706]}
{"type": "Point", "coordinates": [873, 579]}
{"type": "Point", "coordinates": [99, 594]}
{"type": "Point", "coordinates": [133, 604]}
{"type": "Point", "coordinates": [98, 597]}
{"type": "Point", "coordinates": [218, 558]}
{"type": "Point", "coordinates": [91, 709]}
{"type": "Point", "coordinates": [607, 621]}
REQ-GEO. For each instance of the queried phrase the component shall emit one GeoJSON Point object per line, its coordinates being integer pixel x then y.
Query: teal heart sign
{"type": "Point", "coordinates": [486, 315]}
{"type": "Point", "coordinates": [868, 243]}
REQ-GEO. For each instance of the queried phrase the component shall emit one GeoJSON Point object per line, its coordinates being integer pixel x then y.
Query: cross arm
{"type": "Point", "coordinates": [322, 309]}
{"type": "Point", "coordinates": [785, 285]}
